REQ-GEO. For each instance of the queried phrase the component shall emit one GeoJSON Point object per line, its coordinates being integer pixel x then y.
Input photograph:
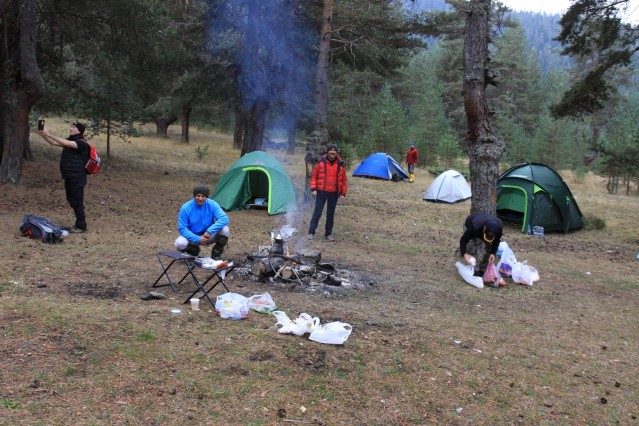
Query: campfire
{"type": "Point", "coordinates": [275, 263]}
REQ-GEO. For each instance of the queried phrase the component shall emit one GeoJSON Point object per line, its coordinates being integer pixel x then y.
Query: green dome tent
{"type": "Point", "coordinates": [533, 194]}
{"type": "Point", "coordinates": [256, 175]}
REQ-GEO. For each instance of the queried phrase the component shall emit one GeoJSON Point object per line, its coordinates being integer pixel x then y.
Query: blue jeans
{"type": "Point", "coordinates": [329, 198]}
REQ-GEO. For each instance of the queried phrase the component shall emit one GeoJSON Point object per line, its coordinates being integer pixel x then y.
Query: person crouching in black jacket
{"type": "Point", "coordinates": [75, 152]}
{"type": "Point", "coordinates": [481, 238]}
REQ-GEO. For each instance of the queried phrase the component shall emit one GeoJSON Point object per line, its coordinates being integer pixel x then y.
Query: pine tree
{"type": "Point", "coordinates": [388, 127]}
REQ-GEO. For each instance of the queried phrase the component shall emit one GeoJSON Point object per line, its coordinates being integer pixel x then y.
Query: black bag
{"type": "Point", "coordinates": [41, 228]}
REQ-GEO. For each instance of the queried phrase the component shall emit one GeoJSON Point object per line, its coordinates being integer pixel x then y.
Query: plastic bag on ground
{"type": "Point", "coordinates": [299, 326]}
{"type": "Point", "coordinates": [231, 306]}
{"type": "Point", "coordinates": [262, 303]}
{"type": "Point", "coordinates": [466, 272]}
{"type": "Point", "coordinates": [282, 318]}
{"type": "Point", "coordinates": [332, 333]}
{"type": "Point", "coordinates": [506, 262]}
{"type": "Point", "coordinates": [524, 274]}
{"type": "Point", "coordinates": [500, 249]}
{"type": "Point", "coordinates": [491, 277]}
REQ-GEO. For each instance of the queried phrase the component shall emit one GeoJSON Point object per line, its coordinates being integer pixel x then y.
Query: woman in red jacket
{"type": "Point", "coordinates": [328, 184]}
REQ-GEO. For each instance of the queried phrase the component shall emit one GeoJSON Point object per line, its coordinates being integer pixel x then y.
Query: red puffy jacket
{"type": "Point", "coordinates": [329, 177]}
{"type": "Point", "coordinates": [412, 155]}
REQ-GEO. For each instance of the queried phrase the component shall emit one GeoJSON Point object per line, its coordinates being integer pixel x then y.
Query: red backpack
{"type": "Point", "coordinates": [92, 166]}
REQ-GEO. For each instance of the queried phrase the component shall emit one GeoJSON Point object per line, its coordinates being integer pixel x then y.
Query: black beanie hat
{"type": "Point", "coordinates": [200, 188]}
{"type": "Point", "coordinates": [331, 146]}
{"type": "Point", "coordinates": [79, 126]}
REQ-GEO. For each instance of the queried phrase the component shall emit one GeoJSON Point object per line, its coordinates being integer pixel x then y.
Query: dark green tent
{"type": "Point", "coordinates": [533, 194]}
{"type": "Point", "coordinates": [256, 175]}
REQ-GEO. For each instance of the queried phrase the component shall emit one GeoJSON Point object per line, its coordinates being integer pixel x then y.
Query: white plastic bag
{"type": "Point", "coordinates": [231, 306]}
{"type": "Point", "coordinates": [506, 262]}
{"type": "Point", "coordinates": [333, 333]}
{"type": "Point", "coordinates": [525, 274]}
{"type": "Point", "coordinates": [299, 326]}
{"type": "Point", "coordinates": [467, 273]}
{"type": "Point", "coordinates": [500, 249]}
{"type": "Point", "coordinates": [282, 318]}
{"type": "Point", "coordinates": [262, 303]}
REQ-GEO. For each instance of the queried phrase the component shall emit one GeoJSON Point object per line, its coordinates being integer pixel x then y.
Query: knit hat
{"type": "Point", "coordinates": [411, 143]}
{"type": "Point", "coordinates": [331, 146]}
{"type": "Point", "coordinates": [79, 126]}
{"type": "Point", "coordinates": [200, 188]}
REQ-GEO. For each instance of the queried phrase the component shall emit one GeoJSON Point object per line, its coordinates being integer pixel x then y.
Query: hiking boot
{"type": "Point", "coordinates": [76, 230]}
{"type": "Point", "coordinates": [218, 247]}
{"type": "Point", "coordinates": [192, 249]}
{"type": "Point", "coordinates": [310, 236]}
{"type": "Point", "coordinates": [330, 238]}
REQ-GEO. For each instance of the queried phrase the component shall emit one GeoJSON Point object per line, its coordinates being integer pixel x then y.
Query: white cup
{"type": "Point", "coordinates": [195, 304]}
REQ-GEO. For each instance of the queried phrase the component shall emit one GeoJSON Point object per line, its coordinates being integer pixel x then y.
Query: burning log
{"type": "Point", "coordinates": [268, 266]}
{"type": "Point", "coordinates": [333, 280]}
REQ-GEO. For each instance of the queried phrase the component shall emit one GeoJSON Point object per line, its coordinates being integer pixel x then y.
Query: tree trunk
{"type": "Point", "coordinates": [186, 121]}
{"type": "Point", "coordinates": [256, 120]}
{"type": "Point", "coordinates": [238, 130]}
{"type": "Point", "coordinates": [485, 148]}
{"type": "Point", "coordinates": [108, 138]}
{"type": "Point", "coordinates": [255, 105]}
{"type": "Point", "coordinates": [162, 125]}
{"type": "Point", "coordinates": [321, 83]}
{"type": "Point", "coordinates": [290, 145]}
{"type": "Point", "coordinates": [319, 137]}
{"type": "Point", "coordinates": [20, 81]}
{"type": "Point", "coordinates": [27, 154]}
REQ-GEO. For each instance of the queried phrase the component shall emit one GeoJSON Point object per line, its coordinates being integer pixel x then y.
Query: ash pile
{"type": "Point", "coordinates": [276, 264]}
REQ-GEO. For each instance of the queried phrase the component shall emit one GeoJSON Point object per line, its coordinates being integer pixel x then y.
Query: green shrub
{"type": "Point", "coordinates": [201, 153]}
{"type": "Point", "coordinates": [592, 222]}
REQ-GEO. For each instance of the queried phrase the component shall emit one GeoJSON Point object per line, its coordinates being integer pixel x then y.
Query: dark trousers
{"type": "Point", "coordinates": [75, 196]}
{"type": "Point", "coordinates": [329, 198]}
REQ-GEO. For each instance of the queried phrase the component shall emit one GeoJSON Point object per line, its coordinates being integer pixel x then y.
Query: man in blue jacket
{"type": "Point", "coordinates": [202, 222]}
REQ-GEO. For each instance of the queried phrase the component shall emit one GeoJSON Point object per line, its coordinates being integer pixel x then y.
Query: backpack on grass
{"type": "Point", "coordinates": [41, 228]}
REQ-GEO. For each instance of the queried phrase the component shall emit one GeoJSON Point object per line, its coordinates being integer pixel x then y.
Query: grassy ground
{"type": "Point", "coordinates": [80, 347]}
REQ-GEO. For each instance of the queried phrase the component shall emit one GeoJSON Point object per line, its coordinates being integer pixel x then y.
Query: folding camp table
{"type": "Point", "coordinates": [218, 274]}
{"type": "Point", "coordinates": [210, 277]}
{"type": "Point", "coordinates": [176, 258]}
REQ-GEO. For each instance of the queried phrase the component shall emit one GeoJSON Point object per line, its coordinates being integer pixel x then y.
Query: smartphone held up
{"type": "Point", "coordinates": [40, 124]}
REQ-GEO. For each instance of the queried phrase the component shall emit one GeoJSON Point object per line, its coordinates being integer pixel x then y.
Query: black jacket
{"type": "Point", "coordinates": [72, 161]}
{"type": "Point", "coordinates": [474, 228]}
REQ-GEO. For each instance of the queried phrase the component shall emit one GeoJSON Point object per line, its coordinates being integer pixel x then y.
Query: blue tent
{"type": "Point", "coordinates": [380, 166]}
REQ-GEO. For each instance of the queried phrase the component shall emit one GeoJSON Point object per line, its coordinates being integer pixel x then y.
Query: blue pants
{"type": "Point", "coordinates": [329, 198]}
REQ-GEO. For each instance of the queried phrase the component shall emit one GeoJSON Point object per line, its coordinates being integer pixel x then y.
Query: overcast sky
{"type": "Point", "coordinates": [560, 6]}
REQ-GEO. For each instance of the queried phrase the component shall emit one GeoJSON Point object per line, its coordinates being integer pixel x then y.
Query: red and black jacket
{"type": "Point", "coordinates": [329, 176]}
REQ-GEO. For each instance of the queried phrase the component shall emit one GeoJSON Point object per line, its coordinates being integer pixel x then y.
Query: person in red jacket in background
{"type": "Point", "coordinates": [328, 185]}
{"type": "Point", "coordinates": [411, 160]}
